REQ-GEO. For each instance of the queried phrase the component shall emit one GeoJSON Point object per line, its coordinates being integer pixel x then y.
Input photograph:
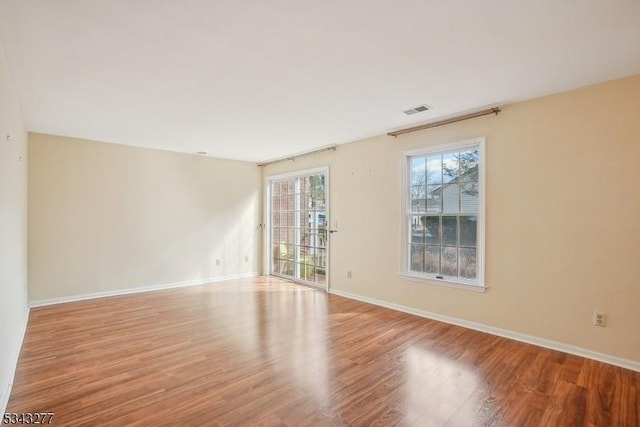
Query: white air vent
{"type": "Point", "coordinates": [418, 109]}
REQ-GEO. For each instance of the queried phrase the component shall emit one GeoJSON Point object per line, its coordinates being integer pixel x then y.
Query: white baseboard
{"type": "Point", "coordinates": [4, 398]}
{"type": "Point", "coordinates": [148, 288]}
{"type": "Point", "coordinates": [529, 339]}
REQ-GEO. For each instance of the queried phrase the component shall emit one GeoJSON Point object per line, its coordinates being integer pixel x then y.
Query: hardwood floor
{"type": "Point", "coordinates": [266, 352]}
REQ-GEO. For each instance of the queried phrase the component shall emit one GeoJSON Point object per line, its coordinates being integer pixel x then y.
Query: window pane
{"type": "Point", "coordinates": [417, 198]}
{"type": "Point", "coordinates": [450, 169]}
{"type": "Point", "coordinates": [449, 230]}
{"type": "Point", "coordinates": [469, 197]}
{"type": "Point", "coordinates": [443, 213]}
{"type": "Point", "coordinates": [468, 230]}
{"type": "Point", "coordinates": [450, 198]}
{"type": "Point", "coordinates": [469, 165]}
{"type": "Point", "coordinates": [418, 171]}
{"type": "Point", "coordinates": [416, 252]}
{"type": "Point", "coordinates": [432, 259]}
{"type": "Point", "coordinates": [450, 261]}
{"type": "Point", "coordinates": [434, 169]}
{"type": "Point", "coordinates": [467, 263]}
{"type": "Point", "coordinates": [417, 229]}
{"type": "Point", "coordinates": [432, 229]}
{"type": "Point", "coordinates": [434, 198]}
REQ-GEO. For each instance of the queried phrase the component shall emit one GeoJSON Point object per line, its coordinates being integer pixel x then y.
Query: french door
{"type": "Point", "coordinates": [298, 226]}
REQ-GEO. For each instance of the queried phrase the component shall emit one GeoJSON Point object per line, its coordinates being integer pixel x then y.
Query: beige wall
{"type": "Point", "coordinates": [13, 228]}
{"type": "Point", "coordinates": [562, 223]}
{"type": "Point", "coordinates": [106, 217]}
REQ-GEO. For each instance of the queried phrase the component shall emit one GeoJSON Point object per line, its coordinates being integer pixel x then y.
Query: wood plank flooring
{"type": "Point", "coordinates": [266, 352]}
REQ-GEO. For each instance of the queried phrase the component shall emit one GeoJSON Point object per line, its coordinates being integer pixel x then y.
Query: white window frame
{"type": "Point", "coordinates": [477, 285]}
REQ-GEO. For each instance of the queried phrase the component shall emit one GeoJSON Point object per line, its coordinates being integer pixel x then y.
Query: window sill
{"type": "Point", "coordinates": [445, 283]}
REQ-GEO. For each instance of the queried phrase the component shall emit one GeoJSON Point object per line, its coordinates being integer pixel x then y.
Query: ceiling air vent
{"type": "Point", "coordinates": [418, 109]}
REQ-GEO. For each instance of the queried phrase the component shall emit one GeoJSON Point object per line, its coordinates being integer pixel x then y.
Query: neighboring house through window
{"type": "Point", "coordinates": [444, 214]}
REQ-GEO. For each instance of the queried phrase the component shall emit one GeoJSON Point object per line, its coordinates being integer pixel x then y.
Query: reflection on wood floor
{"type": "Point", "coordinates": [263, 351]}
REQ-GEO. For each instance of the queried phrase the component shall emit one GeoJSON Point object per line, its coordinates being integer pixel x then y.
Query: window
{"type": "Point", "coordinates": [444, 214]}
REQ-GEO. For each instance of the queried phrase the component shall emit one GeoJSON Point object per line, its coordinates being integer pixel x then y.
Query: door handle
{"type": "Point", "coordinates": [333, 231]}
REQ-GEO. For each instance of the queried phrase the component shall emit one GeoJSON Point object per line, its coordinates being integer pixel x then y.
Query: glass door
{"type": "Point", "coordinates": [298, 227]}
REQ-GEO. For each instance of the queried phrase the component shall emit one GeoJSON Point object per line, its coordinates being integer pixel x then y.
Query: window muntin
{"type": "Point", "coordinates": [443, 214]}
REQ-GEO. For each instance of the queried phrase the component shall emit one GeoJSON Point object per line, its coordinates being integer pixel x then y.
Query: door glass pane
{"type": "Point", "coordinates": [317, 191]}
{"type": "Point", "coordinates": [305, 201]}
{"type": "Point", "coordinates": [320, 258]}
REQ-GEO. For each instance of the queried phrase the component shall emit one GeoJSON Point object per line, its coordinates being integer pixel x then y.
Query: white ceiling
{"type": "Point", "coordinates": [256, 80]}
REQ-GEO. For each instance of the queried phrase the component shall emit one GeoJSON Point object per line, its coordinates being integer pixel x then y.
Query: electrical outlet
{"type": "Point", "coordinates": [599, 319]}
{"type": "Point", "coordinates": [349, 274]}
